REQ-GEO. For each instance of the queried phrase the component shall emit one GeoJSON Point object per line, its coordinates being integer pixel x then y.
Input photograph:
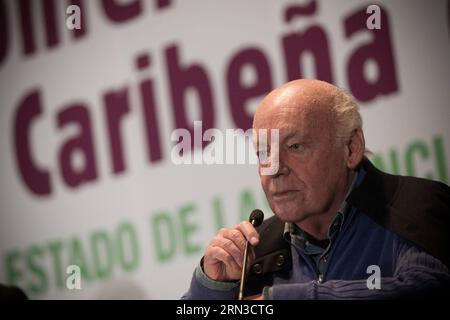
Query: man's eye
{"type": "Point", "coordinates": [295, 146]}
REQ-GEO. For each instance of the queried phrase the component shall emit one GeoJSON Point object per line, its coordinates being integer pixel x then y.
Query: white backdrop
{"type": "Point", "coordinates": [139, 232]}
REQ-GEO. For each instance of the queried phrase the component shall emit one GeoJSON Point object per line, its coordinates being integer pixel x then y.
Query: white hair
{"type": "Point", "coordinates": [347, 116]}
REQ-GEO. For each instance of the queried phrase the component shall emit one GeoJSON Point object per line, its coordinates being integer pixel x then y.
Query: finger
{"type": "Point", "coordinates": [230, 247]}
{"type": "Point", "coordinates": [223, 256]}
{"type": "Point", "coordinates": [249, 231]}
{"type": "Point", "coordinates": [234, 235]}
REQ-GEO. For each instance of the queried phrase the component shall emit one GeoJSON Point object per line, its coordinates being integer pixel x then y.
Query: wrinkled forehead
{"type": "Point", "coordinates": [306, 119]}
{"type": "Point", "coordinates": [290, 117]}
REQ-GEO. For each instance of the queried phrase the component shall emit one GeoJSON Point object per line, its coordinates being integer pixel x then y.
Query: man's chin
{"type": "Point", "coordinates": [291, 215]}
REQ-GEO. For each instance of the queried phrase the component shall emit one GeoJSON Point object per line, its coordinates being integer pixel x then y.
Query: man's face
{"type": "Point", "coordinates": [312, 165]}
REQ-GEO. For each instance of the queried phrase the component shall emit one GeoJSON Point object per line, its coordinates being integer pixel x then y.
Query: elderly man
{"type": "Point", "coordinates": [342, 229]}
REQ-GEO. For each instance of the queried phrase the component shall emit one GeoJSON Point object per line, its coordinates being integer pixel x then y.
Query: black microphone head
{"type": "Point", "coordinates": [256, 217]}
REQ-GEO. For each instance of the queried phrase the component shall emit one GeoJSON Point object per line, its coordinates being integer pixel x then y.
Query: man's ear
{"type": "Point", "coordinates": [356, 146]}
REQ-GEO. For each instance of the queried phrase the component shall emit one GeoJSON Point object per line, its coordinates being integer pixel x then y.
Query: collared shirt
{"type": "Point", "coordinates": [310, 246]}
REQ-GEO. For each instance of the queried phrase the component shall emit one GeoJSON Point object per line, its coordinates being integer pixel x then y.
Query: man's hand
{"type": "Point", "coordinates": [224, 256]}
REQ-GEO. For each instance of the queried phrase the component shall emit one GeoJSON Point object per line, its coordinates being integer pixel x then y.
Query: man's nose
{"type": "Point", "coordinates": [283, 167]}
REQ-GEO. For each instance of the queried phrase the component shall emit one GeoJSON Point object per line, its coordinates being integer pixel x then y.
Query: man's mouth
{"type": "Point", "coordinates": [284, 195]}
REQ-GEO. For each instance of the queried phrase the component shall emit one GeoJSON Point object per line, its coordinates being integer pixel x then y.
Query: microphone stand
{"type": "Point", "coordinates": [244, 269]}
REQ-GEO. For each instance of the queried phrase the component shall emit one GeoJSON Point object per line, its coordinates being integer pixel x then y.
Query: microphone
{"type": "Point", "coordinates": [256, 218]}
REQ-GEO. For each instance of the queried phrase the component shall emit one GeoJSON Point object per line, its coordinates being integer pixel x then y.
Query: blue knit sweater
{"type": "Point", "coordinates": [405, 269]}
